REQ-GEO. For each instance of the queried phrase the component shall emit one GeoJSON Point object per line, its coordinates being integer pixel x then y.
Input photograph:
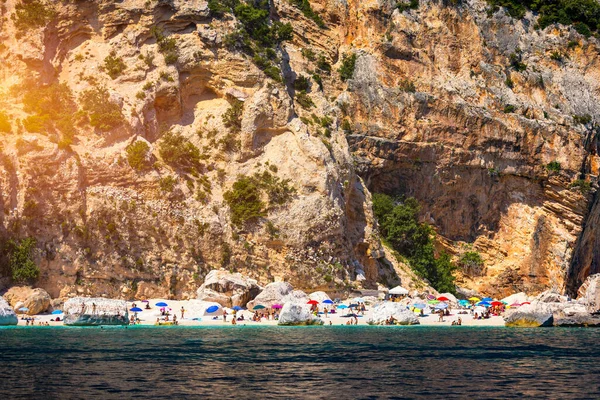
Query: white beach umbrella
{"type": "Point", "coordinates": [398, 290]}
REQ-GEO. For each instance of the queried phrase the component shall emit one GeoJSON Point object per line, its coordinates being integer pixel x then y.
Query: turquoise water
{"type": "Point", "coordinates": [309, 362]}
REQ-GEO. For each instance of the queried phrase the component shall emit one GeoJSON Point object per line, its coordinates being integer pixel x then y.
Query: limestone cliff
{"type": "Point", "coordinates": [460, 109]}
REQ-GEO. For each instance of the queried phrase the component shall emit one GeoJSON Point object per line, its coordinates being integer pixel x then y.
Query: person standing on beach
{"type": "Point", "coordinates": [224, 316]}
{"type": "Point", "coordinates": [182, 312]}
{"type": "Point", "coordinates": [94, 308]}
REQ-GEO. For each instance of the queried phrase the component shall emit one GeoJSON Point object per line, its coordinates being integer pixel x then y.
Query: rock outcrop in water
{"type": "Point", "coordinates": [295, 313]}
{"type": "Point", "coordinates": [532, 315]}
{"type": "Point", "coordinates": [228, 289]}
{"type": "Point", "coordinates": [402, 316]}
{"type": "Point", "coordinates": [85, 311]}
{"type": "Point", "coordinates": [7, 314]}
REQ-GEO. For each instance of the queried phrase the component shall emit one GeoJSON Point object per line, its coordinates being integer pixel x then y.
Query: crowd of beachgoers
{"type": "Point", "coordinates": [444, 309]}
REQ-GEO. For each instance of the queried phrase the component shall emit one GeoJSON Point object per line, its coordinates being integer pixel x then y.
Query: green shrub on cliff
{"type": "Point", "coordinates": [471, 263]}
{"type": "Point", "coordinates": [400, 228]}
{"type": "Point", "coordinates": [553, 166]}
{"type": "Point", "coordinates": [179, 152]}
{"type": "Point", "coordinates": [102, 113]}
{"type": "Point", "coordinates": [244, 201]}
{"type": "Point", "coordinates": [20, 262]}
{"type": "Point", "coordinates": [584, 15]}
{"type": "Point", "coordinates": [232, 118]}
{"type": "Point", "coordinates": [347, 68]}
{"type": "Point", "coordinates": [137, 155]}
{"type": "Point", "coordinates": [52, 108]}
{"type": "Point", "coordinates": [308, 12]}
{"type": "Point", "coordinates": [30, 14]}
{"type": "Point", "coordinates": [113, 65]}
{"type": "Point", "coordinates": [5, 126]}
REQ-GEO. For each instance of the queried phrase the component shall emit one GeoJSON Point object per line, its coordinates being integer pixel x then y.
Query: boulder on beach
{"type": "Point", "coordinates": [89, 311]}
{"type": "Point", "coordinates": [589, 293]}
{"type": "Point", "coordinates": [551, 296]}
{"type": "Point", "coordinates": [297, 313]}
{"type": "Point", "coordinates": [519, 298]}
{"type": "Point", "coordinates": [278, 293]}
{"type": "Point", "coordinates": [228, 289]}
{"type": "Point", "coordinates": [198, 309]}
{"type": "Point", "coordinates": [319, 296]}
{"type": "Point", "coordinates": [451, 298]}
{"type": "Point", "coordinates": [579, 320]}
{"type": "Point", "coordinates": [536, 314]}
{"type": "Point", "coordinates": [7, 314]}
{"type": "Point", "coordinates": [402, 316]}
{"type": "Point", "coordinates": [36, 300]}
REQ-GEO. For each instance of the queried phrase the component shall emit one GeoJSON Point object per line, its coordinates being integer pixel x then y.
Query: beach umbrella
{"type": "Point", "coordinates": [487, 299]}
{"type": "Point", "coordinates": [433, 301]}
{"type": "Point", "coordinates": [161, 304]}
{"type": "Point", "coordinates": [443, 298]}
{"type": "Point", "coordinates": [515, 305]}
{"type": "Point", "coordinates": [23, 309]}
{"type": "Point", "coordinates": [312, 302]}
{"type": "Point", "coordinates": [342, 306]}
{"type": "Point", "coordinates": [136, 309]}
{"type": "Point", "coordinates": [431, 297]}
{"type": "Point", "coordinates": [56, 312]}
{"type": "Point", "coordinates": [327, 301]}
{"type": "Point", "coordinates": [525, 303]}
{"type": "Point", "coordinates": [441, 306]}
{"type": "Point", "coordinates": [353, 305]}
{"type": "Point", "coordinates": [237, 308]}
{"type": "Point", "coordinates": [419, 306]}
{"type": "Point", "coordinates": [484, 304]}
{"type": "Point", "coordinates": [259, 307]}
{"type": "Point", "coordinates": [497, 303]}
{"type": "Point", "coordinates": [276, 306]}
{"type": "Point", "coordinates": [474, 299]}
{"type": "Point", "coordinates": [145, 301]}
{"type": "Point", "coordinates": [212, 309]}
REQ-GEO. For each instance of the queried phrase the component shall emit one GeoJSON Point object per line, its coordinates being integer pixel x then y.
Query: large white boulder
{"type": "Point", "coordinates": [197, 309]}
{"type": "Point", "coordinates": [228, 289]}
{"type": "Point", "coordinates": [536, 314]}
{"type": "Point", "coordinates": [278, 293]}
{"type": "Point", "coordinates": [7, 314]}
{"type": "Point", "coordinates": [402, 315]}
{"type": "Point", "coordinates": [319, 296]}
{"type": "Point", "coordinates": [296, 313]}
{"type": "Point", "coordinates": [589, 293]}
{"type": "Point", "coordinates": [90, 311]}
{"type": "Point", "coordinates": [452, 299]}
{"type": "Point", "coordinates": [516, 298]}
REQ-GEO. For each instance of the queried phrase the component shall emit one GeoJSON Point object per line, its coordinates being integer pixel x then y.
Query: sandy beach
{"type": "Point", "coordinates": [149, 317]}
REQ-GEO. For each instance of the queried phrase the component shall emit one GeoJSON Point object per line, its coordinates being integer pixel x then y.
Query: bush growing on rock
{"type": "Point", "coordinates": [167, 183]}
{"type": "Point", "coordinates": [113, 65]}
{"type": "Point", "coordinates": [179, 152]}
{"type": "Point", "coordinates": [102, 113]}
{"type": "Point", "coordinates": [232, 118]}
{"type": "Point", "coordinates": [347, 69]}
{"type": "Point", "coordinates": [30, 14]}
{"type": "Point", "coordinates": [244, 201]}
{"type": "Point", "coordinates": [20, 262]}
{"type": "Point", "coordinates": [308, 12]}
{"type": "Point", "coordinates": [471, 263]}
{"type": "Point", "coordinates": [137, 155]}
{"type": "Point", "coordinates": [553, 166]}
{"type": "Point", "coordinates": [5, 126]}
{"type": "Point", "coordinates": [52, 108]}
{"type": "Point", "coordinates": [400, 227]}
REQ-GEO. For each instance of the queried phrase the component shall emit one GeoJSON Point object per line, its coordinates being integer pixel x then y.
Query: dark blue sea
{"type": "Point", "coordinates": [307, 362]}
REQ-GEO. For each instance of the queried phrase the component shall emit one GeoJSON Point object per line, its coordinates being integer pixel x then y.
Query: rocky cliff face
{"type": "Point", "coordinates": [438, 107]}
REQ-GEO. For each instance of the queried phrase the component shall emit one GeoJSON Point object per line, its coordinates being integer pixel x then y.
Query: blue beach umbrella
{"type": "Point", "coordinates": [136, 309]}
{"type": "Point", "coordinates": [327, 301]}
{"type": "Point", "coordinates": [258, 307]}
{"type": "Point", "coordinates": [212, 309]}
{"type": "Point", "coordinates": [464, 303]}
{"type": "Point", "coordinates": [483, 303]}
{"type": "Point", "coordinates": [237, 308]}
{"type": "Point", "coordinates": [419, 306]}
{"type": "Point", "coordinates": [161, 304]}
{"type": "Point", "coordinates": [56, 312]}
{"type": "Point", "coordinates": [353, 305]}
{"type": "Point", "coordinates": [342, 306]}
{"type": "Point", "coordinates": [486, 299]}
{"type": "Point", "coordinates": [441, 306]}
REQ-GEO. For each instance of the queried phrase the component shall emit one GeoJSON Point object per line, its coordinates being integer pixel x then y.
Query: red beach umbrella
{"type": "Point", "coordinates": [525, 303]}
{"type": "Point", "coordinates": [313, 302]}
{"type": "Point", "coordinates": [497, 303]}
{"type": "Point", "coordinates": [443, 298]}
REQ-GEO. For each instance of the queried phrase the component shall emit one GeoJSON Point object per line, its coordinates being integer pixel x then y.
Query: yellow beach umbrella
{"type": "Point", "coordinates": [474, 299]}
